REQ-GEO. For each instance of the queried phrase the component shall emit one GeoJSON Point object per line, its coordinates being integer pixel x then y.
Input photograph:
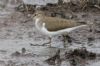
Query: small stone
{"type": "Point", "coordinates": [23, 50]}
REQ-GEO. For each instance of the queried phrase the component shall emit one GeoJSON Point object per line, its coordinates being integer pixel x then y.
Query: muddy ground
{"type": "Point", "coordinates": [22, 45]}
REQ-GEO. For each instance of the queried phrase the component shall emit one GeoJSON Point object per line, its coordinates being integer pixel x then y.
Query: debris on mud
{"type": "Point", "coordinates": [16, 54]}
{"type": "Point", "coordinates": [79, 56]}
{"type": "Point", "coordinates": [75, 57]}
{"type": "Point", "coordinates": [26, 8]}
{"type": "Point", "coordinates": [54, 59]}
{"type": "Point", "coordinates": [82, 53]}
{"type": "Point", "coordinates": [22, 54]}
{"type": "Point", "coordinates": [62, 7]}
{"type": "Point", "coordinates": [23, 50]}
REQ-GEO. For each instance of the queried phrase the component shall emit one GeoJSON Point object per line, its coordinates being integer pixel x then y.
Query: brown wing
{"type": "Point", "coordinates": [55, 24]}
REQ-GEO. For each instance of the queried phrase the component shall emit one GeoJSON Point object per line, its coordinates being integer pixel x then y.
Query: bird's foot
{"type": "Point", "coordinates": [47, 43]}
{"type": "Point", "coordinates": [49, 46]}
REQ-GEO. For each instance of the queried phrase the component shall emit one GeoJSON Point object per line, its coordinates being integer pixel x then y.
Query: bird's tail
{"type": "Point", "coordinates": [73, 28]}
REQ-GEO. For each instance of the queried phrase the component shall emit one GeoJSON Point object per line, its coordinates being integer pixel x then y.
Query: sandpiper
{"type": "Point", "coordinates": [52, 26]}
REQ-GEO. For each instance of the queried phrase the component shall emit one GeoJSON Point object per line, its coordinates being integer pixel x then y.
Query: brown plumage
{"type": "Point", "coordinates": [56, 23]}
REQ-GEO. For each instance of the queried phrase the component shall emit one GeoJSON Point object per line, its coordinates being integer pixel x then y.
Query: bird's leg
{"type": "Point", "coordinates": [91, 26]}
{"type": "Point", "coordinates": [92, 34]}
{"type": "Point", "coordinates": [67, 39]}
{"type": "Point", "coordinates": [64, 40]}
{"type": "Point", "coordinates": [50, 41]}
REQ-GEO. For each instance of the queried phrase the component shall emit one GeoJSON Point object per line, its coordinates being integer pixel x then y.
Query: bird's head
{"type": "Point", "coordinates": [38, 14]}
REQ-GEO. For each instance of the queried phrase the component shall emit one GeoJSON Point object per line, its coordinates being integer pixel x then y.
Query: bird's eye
{"type": "Point", "coordinates": [34, 15]}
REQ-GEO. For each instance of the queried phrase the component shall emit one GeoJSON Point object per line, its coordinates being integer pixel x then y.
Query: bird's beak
{"type": "Point", "coordinates": [33, 16]}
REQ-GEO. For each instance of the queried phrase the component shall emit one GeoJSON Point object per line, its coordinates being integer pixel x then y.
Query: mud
{"type": "Point", "coordinates": [22, 45]}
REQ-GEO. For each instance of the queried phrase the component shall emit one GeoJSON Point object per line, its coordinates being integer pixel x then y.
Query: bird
{"type": "Point", "coordinates": [52, 26]}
